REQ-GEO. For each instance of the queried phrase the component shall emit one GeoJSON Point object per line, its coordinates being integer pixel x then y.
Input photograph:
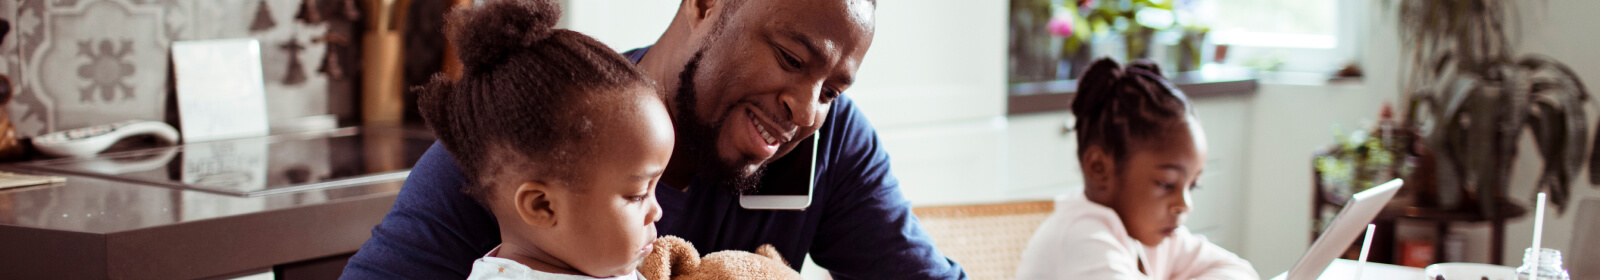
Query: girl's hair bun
{"type": "Point", "coordinates": [486, 33]}
{"type": "Point", "coordinates": [1097, 89]}
{"type": "Point", "coordinates": [1118, 103]}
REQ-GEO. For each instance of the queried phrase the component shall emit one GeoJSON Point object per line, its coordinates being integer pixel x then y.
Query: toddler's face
{"type": "Point", "coordinates": [606, 225]}
{"type": "Point", "coordinates": [1153, 193]}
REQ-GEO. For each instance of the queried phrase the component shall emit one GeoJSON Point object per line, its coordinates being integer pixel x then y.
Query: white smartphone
{"type": "Point", "coordinates": [788, 181]}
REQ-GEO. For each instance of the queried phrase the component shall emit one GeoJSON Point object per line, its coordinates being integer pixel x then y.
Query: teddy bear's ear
{"type": "Point", "coordinates": [766, 250]}
{"type": "Point", "coordinates": [656, 265]}
{"type": "Point", "coordinates": [672, 257]}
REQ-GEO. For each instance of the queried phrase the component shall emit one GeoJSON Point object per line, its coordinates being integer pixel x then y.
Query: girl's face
{"type": "Point", "coordinates": [603, 224]}
{"type": "Point", "coordinates": [1151, 194]}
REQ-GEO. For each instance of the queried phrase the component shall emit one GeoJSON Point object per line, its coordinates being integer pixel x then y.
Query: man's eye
{"type": "Point", "coordinates": [828, 95]}
{"type": "Point", "coordinates": [789, 60]}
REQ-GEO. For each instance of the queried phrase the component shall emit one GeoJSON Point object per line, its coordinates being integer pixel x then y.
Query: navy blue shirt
{"type": "Point", "coordinates": [858, 226]}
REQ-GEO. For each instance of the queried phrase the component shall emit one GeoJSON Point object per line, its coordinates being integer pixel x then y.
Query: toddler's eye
{"type": "Point", "coordinates": [636, 198]}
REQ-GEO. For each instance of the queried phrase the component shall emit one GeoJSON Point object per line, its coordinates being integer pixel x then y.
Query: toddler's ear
{"type": "Point", "coordinates": [535, 204]}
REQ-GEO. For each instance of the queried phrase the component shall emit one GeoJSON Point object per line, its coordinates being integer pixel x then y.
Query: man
{"type": "Point", "coordinates": [745, 82]}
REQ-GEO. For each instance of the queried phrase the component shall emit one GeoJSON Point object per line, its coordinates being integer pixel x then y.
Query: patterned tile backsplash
{"type": "Point", "coordinates": [78, 63]}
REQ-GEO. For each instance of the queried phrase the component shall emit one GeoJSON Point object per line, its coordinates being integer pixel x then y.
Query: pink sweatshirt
{"type": "Point", "coordinates": [1086, 240]}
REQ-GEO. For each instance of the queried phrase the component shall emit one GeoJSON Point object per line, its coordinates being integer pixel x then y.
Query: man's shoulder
{"type": "Point", "coordinates": [636, 54]}
{"type": "Point", "coordinates": [436, 167]}
{"type": "Point", "coordinates": [846, 121]}
{"type": "Point", "coordinates": [433, 231]}
{"type": "Point", "coordinates": [434, 185]}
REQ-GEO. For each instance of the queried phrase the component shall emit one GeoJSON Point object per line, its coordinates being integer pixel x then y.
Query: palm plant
{"type": "Point", "coordinates": [1471, 96]}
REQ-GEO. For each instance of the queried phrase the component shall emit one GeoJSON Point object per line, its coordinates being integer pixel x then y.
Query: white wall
{"type": "Point", "coordinates": [935, 89]}
{"type": "Point", "coordinates": [1291, 122]}
{"type": "Point", "coordinates": [621, 24]}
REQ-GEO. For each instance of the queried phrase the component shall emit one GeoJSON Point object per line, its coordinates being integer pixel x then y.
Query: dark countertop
{"type": "Point", "coordinates": [100, 227]}
{"type": "Point", "coordinates": [1211, 81]}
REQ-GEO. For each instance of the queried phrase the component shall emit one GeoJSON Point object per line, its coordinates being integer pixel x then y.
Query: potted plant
{"type": "Point", "coordinates": [1471, 96]}
{"type": "Point", "coordinates": [1134, 22]}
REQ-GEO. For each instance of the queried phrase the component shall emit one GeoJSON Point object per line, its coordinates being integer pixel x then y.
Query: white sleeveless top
{"type": "Point", "coordinates": [494, 268]}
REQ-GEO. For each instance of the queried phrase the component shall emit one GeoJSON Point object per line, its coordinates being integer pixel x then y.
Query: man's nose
{"type": "Point", "coordinates": [804, 104]}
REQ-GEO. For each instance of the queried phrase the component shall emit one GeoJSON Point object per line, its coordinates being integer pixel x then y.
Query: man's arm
{"type": "Point", "coordinates": [433, 231]}
{"type": "Point", "coordinates": [867, 229]}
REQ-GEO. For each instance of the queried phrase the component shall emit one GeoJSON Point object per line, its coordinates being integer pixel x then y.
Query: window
{"type": "Point", "coordinates": [1318, 36]}
{"type": "Point", "coordinates": [1276, 23]}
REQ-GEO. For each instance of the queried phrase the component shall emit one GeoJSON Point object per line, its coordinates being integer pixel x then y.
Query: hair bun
{"type": "Point", "coordinates": [486, 33]}
{"type": "Point", "coordinates": [1149, 66]}
{"type": "Point", "coordinates": [1096, 89]}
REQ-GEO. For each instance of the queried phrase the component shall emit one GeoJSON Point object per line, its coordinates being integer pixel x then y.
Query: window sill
{"type": "Point", "coordinates": [1210, 82]}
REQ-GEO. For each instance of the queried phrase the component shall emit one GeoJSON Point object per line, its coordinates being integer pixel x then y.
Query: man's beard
{"type": "Point", "coordinates": [700, 138]}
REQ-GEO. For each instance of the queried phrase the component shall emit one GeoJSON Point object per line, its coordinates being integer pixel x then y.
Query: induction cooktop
{"type": "Point", "coordinates": [261, 165]}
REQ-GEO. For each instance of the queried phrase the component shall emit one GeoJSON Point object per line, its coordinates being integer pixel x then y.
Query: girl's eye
{"type": "Point", "coordinates": [637, 198]}
{"type": "Point", "coordinates": [1194, 187]}
{"type": "Point", "coordinates": [1168, 187]}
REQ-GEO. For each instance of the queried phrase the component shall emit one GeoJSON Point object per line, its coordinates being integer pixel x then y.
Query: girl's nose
{"type": "Point", "coordinates": [1182, 206]}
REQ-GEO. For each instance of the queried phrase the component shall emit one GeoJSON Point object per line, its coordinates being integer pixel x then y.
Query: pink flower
{"type": "Point", "coordinates": [1060, 26]}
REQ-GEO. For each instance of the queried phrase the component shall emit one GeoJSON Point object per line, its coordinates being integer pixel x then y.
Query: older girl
{"type": "Point", "coordinates": [1141, 151]}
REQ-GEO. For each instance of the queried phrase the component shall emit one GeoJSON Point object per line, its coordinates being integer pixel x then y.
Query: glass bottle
{"type": "Point", "coordinates": [1549, 265]}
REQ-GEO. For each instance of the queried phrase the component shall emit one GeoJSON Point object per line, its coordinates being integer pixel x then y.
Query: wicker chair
{"type": "Point", "coordinates": [986, 239]}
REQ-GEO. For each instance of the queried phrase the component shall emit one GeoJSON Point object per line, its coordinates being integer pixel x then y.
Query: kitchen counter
{"type": "Point", "coordinates": [112, 225]}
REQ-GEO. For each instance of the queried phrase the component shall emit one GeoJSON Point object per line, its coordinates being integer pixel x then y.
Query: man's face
{"type": "Point", "coordinates": [764, 79]}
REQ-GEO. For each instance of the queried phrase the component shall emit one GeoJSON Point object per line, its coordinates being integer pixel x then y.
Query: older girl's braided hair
{"type": "Point", "coordinates": [1117, 105]}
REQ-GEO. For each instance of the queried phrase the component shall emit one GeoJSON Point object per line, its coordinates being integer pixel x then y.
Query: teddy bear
{"type": "Point", "coordinates": [676, 259]}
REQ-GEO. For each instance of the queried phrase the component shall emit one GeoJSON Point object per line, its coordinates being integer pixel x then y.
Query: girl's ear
{"type": "Point", "coordinates": [1099, 172]}
{"type": "Point", "coordinates": [535, 204]}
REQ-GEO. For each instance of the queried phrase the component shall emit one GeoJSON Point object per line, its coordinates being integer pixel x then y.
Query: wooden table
{"type": "Point", "coordinates": [1343, 269]}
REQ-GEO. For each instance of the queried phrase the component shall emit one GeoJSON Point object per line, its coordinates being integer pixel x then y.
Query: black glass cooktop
{"type": "Point", "coordinates": [262, 165]}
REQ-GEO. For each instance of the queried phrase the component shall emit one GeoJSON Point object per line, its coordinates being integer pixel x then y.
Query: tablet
{"type": "Point", "coordinates": [1349, 224]}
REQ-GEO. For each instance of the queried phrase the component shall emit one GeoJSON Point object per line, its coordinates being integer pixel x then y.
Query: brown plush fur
{"type": "Point", "coordinates": [676, 259]}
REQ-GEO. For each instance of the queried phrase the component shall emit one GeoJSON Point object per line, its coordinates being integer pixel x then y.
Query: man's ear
{"type": "Point", "coordinates": [1099, 170]}
{"type": "Point", "coordinates": [702, 13]}
{"type": "Point", "coordinates": [535, 204]}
